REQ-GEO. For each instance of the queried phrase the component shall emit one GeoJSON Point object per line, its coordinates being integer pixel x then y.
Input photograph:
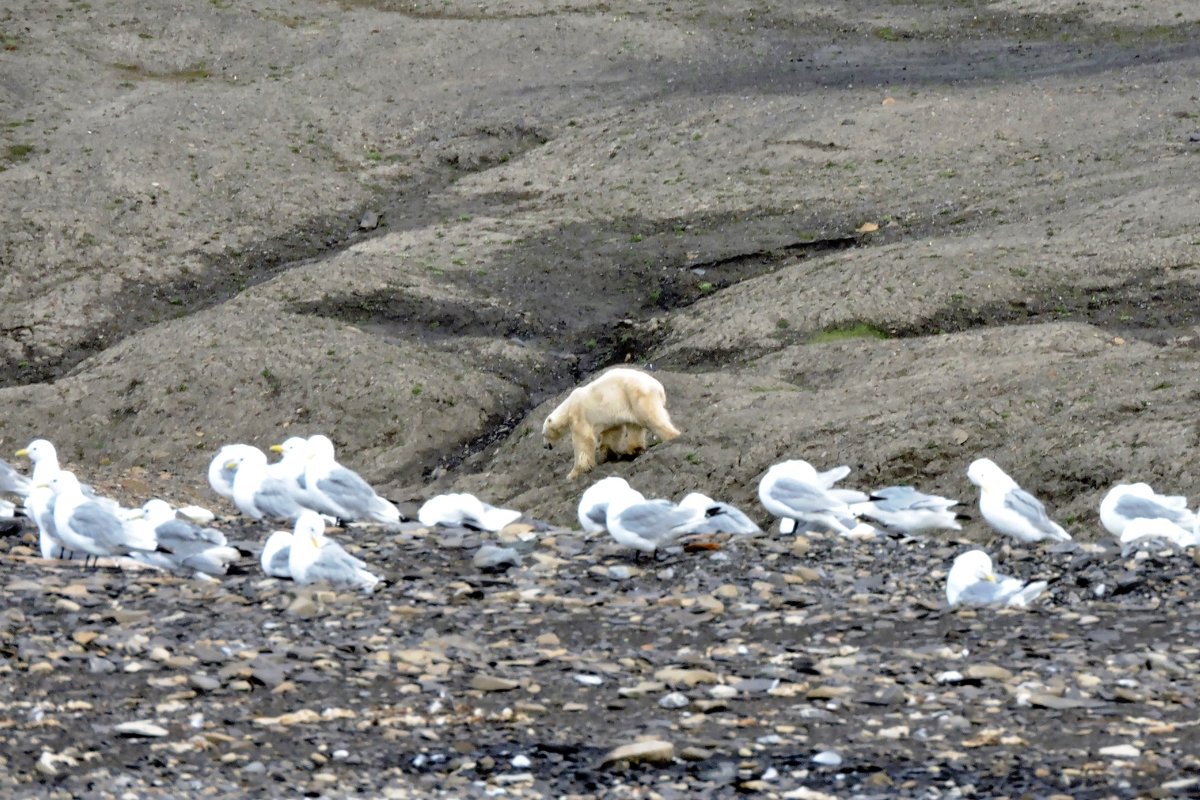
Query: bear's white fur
{"type": "Point", "coordinates": [613, 412]}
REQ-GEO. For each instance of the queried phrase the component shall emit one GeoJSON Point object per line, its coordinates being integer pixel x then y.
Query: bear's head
{"type": "Point", "coordinates": [553, 428]}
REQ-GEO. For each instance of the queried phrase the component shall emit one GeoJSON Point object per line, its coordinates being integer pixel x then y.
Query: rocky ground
{"type": "Point", "coordinates": [896, 236]}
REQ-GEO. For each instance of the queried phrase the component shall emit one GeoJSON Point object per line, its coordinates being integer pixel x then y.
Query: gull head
{"type": "Point", "coordinates": [37, 450]}
{"type": "Point", "coordinates": [984, 473]}
{"type": "Point", "coordinates": [320, 446]}
{"type": "Point", "coordinates": [969, 568]}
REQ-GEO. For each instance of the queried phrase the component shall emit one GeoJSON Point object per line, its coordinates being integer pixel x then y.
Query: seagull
{"type": "Point", "coordinates": [256, 492]}
{"type": "Point", "coordinates": [593, 505]}
{"type": "Point", "coordinates": [1127, 502]}
{"type": "Point", "coordinates": [795, 490]}
{"type": "Point", "coordinates": [1146, 528]}
{"type": "Point", "coordinates": [223, 468]}
{"type": "Point", "coordinates": [1010, 509]}
{"type": "Point", "coordinates": [203, 551]}
{"type": "Point", "coordinates": [719, 517]}
{"type": "Point", "coordinates": [40, 505]}
{"type": "Point", "coordinates": [904, 509]}
{"type": "Point", "coordinates": [277, 554]}
{"type": "Point", "coordinates": [295, 453]}
{"type": "Point", "coordinates": [465, 510]}
{"type": "Point", "coordinates": [13, 482]}
{"type": "Point", "coordinates": [90, 526]}
{"type": "Point", "coordinates": [347, 495]}
{"type": "Point", "coordinates": [44, 458]}
{"type": "Point", "coordinates": [972, 582]}
{"type": "Point", "coordinates": [315, 557]}
{"type": "Point", "coordinates": [647, 525]}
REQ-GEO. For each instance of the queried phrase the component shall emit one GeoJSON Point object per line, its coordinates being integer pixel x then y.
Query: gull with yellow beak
{"type": "Point", "coordinates": [315, 557]}
{"type": "Point", "coordinates": [973, 582]}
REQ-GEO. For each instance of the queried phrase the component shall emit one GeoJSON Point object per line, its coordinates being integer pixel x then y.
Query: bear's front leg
{"type": "Point", "coordinates": [583, 438]}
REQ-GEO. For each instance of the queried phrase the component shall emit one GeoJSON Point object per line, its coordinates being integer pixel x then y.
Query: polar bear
{"type": "Point", "coordinates": [613, 412]}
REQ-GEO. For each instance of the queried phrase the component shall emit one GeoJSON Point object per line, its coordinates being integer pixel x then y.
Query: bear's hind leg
{"type": "Point", "coordinates": [654, 416]}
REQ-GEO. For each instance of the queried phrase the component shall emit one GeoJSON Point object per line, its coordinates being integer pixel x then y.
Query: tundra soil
{"type": "Point", "coordinates": [895, 236]}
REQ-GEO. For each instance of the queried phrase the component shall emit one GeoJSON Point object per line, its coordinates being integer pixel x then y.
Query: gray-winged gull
{"type": "Point", "coordinates": [904, 509]}
{"type": "Point", "coordinates": [795, 490]}
{"type": "Point", "coordinates": [465, 510]}
{"type": "Point", "coordinates": [647, 525]}
{"type": "Point", "coordinates": [1009, 509]}
{"type": "Point", "coordinates": [223, 468]}
{"type": "Point", "coordinates": [593, 505]}
{"type": "Point", "coordinates": [192, 549]}
{"type": "Point", "coordinates": [256, 492]}
{"type": "Point", "coordinates": [276, 555]}
{"type": "Point", "coordinates": [719, 517]}
{"type": "Point", "coordinates": [90, 526]}
{"type": "Point", "coordinates": [1127, 502]}
{"type": "Point", "coordinates": [973, 582]}
{"type": "Point", "coordinates": [344, 490]}
{"type": "Point", "coordinates": [315, 557]}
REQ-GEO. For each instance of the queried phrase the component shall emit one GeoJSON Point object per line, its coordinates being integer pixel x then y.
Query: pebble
{"type": "Point", "coordinates": [141, 728]}
{"type": "Point", "coordinates": [1120, 751]}
{"type": "Point", "coordinates": [654, 751]}
{"type": "Point", "coordinates": [827, 758]}
{"type": "Point", "coordinates": [674, 700]}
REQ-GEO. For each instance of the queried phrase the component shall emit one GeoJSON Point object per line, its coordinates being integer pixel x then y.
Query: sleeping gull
{"type": "Point", "coordinates": [1010, 509]}
{"type": "Point", "coordinates": [223, 468]}
{"type": "Point", "coordinates": [277, 554]}
{"type": "Point", "coordinates": [89, 526]}
{"type": "Point", "coordinates": [465, 510]}
{"type": "Point", "coordinates": [1146, 528]}
{"type": "Point", "coordinates": [647, 525]}
{"type": "Point", "coordinates": [719, 517]}
{"type": "Point", "coordinates": [256, 492]}
{"type": "Point", "coordinates": [200, 551]}
{"type": "Point", "coordinates": [315, 557]}
{"type": "Point", "coordinates": [972, 582]}
{"type": "Point", "coordinates": [593, 505]}
{"type": "Point", "coordinates": [347, 495]}
{"type": "Point", "coordinates": [795, 490]}
{"type": "Point", "coordinates": [1127, 502]}
{"type": "Point", "coordinates": [904, 509]}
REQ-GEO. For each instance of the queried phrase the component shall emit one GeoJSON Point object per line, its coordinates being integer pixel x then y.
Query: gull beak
{"type": "Point", "coordinates": [41, 486]}
{"type": "Point", "coordinates": [276, 448]}
{"type": "Point", "coordinates": [315, 542]}
{"type": "Point", "coordinates": [989, 577]}
{"type": "Point", "coordinates": [22, 452]}
{"type": "Point", "coordinates": [231, 465]}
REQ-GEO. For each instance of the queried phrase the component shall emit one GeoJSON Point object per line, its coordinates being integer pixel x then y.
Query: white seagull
{"type": "Point", "coordinates": [315, 557]}
{"type": "Point", "coordinates": [277, 554]}
{"type": "Point", "coordinates": [223, 468]}
{"type": "Point", "coordinates": [344, 492]}
{"type": "Point", "coordinates": [719, 517]}
{"type": "Point", "coordinates": [972, 582]}
{"type": "Point", "coordinates": [905, 509]}
{"type": "Point", "coordinates": [1010, 509]}
{"type": "Point", "coordinates": [1127, 502]}
{"type": "Point", "coordinates": [90, 526]}
{"type": "Point", "coordinates": [201, 551]}
{"type": "Point", "coordinates": [465, 510]}
{"type": "Point", "coordinates": [13, 482]}
{"type": "Point", "coordinates": [256, 492]}
{"type": "Point", "coordinates": [593, 505]}
{"type": "Point", "coordinates": [647, 525]}
{"type": "Point", "coordinates": [795, 490]}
